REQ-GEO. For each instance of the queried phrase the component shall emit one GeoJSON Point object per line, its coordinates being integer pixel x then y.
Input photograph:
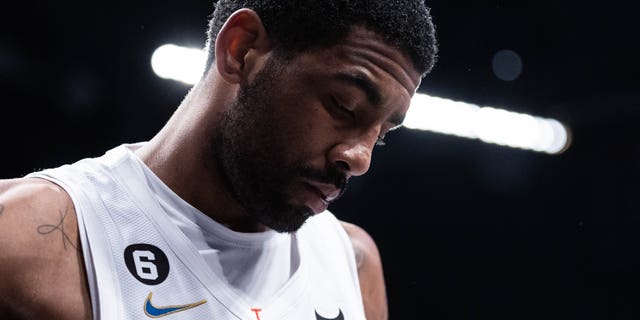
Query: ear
{"type": "Point", "coordinates": [243, 33]}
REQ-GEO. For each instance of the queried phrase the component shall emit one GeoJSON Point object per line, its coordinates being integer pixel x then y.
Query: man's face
{"type": "Point", "coordinates": [303, 126]}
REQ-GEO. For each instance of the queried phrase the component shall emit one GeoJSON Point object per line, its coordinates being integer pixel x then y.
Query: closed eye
{"type": "Point", "coordinates": [341, 110]}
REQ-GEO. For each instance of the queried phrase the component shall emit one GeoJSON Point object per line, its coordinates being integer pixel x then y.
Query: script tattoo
{"type": "Point", "coordinates": [46, 229]}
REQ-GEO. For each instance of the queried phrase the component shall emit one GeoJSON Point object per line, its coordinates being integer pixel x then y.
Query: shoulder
{"type": "Point", "coordinates": [370, 273]}
{"type": "Point", "coordinates": [364, 246]}
{"type": "Point", "coordinates": [30, 209]}
{"type": "Point", "coordinates": [40, 245]}
{"type": "Point", "coordinates": [26, 202]}
{"type": "Point", "coordinates": [31, 191]}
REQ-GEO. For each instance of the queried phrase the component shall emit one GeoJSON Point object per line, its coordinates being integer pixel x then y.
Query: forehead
{"type": "Point", "coordinates": [364, 53]}
{"type": "Point", "coordinates": [368, 51]}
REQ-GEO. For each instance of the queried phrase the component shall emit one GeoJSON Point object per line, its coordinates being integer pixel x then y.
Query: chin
{"type": "Point", "coordinates": [286, 221]}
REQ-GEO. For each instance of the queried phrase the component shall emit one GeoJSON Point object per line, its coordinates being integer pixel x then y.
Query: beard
{"type": "Point", "coordinates": [258, 168]}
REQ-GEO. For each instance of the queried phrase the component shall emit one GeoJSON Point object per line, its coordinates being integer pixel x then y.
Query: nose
{"type": "Point", "coordinates": [354, 156]}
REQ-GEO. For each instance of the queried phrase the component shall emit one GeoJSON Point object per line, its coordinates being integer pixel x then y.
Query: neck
{"type": "Point", "coordinates": [182, 155]}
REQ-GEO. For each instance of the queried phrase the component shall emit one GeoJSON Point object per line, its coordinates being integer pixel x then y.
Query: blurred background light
{"type": "Point", "coordinates": [507, 65]}
{"type": "Point", "coordinates": [488, 124]}
{"type": "Point", "coordinates": [178, 63]}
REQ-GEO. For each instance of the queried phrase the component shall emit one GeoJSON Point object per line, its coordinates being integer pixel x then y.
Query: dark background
{"type": "Point", "coordinates": [467, 230]}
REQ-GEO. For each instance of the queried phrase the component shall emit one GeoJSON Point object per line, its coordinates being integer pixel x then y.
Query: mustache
{"type": "Point", "coordinates": [330, 175]}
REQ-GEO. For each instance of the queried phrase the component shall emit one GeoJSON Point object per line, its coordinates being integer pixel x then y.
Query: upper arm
{"type": "Point", "coordinates": [23, 204]}
{"type": "Point", "coordinates": [370, 272]}
{"type": "Point", "coordinates": [39, 259]}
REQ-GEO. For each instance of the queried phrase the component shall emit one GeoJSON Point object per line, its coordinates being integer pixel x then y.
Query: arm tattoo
{"type": "Point", "coordinates": [1, 209]}
{"type": "Point", "coordinates": [46, 229]}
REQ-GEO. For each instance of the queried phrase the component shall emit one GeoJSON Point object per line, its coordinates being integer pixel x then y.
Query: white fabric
{"type": "Point", "coordinates": [118, 205]}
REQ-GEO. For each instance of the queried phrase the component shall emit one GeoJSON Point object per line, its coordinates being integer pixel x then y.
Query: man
{"type": "Point", "coordinates": [222, 215]}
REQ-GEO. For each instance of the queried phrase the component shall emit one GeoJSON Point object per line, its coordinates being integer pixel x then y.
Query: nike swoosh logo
{"type": "Point", "coordinates": [339, 317]}
{"type": "Point", "coordinates": [156, 312]}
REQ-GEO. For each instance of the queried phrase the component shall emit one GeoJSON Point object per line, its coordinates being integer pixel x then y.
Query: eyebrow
{"type": "Point", "coordinates": [371, 90]}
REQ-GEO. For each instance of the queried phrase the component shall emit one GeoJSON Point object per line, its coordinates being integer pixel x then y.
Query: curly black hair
{"type": "Point", "coordinates": [298, 25]}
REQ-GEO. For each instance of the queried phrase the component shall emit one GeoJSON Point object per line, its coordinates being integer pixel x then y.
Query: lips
{"type": "Point", "coordinates": [327, 192]}
{"type": "Point", "coordinates": [315, 195]}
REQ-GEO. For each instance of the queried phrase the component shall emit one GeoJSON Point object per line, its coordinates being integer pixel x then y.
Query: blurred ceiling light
{"type": "Point", "coordinates": [430, 113]}
{"type": "Point", "coordinates": [491, 125]}
{"type": "Point", "coordinates": [178, 63]}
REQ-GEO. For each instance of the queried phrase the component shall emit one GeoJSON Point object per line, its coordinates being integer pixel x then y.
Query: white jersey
{"type": "Point", "coordinates": [141, 265]}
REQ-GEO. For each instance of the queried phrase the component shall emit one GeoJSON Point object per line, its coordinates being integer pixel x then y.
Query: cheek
{"type": "Point", "coordinates": [305, 129]}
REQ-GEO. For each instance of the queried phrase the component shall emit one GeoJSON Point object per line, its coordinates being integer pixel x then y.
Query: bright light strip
{"type": "Point", "coordinates": [178, 63]}
{"type": "Point", "coordinates": [488, 124]}
{"type": "Point", "coordinates": [491, 125]}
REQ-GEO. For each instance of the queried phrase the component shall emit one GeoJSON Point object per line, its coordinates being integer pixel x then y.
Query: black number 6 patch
{"type": "Point", "coordinates": [147, 263]}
